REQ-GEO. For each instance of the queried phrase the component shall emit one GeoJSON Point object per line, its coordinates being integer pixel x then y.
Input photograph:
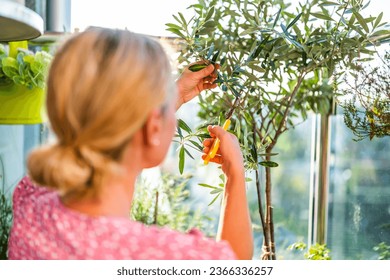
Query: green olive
{"type": "Point", "coordinates": [197, 67]}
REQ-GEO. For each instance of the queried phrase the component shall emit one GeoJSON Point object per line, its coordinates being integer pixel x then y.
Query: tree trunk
{"type": "Point", "coordinates": [269, 242]}
{"type": "Point", "coordinates": [261, 211]}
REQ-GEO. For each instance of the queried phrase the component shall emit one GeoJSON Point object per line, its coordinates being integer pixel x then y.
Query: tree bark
{"type": "Point", "coordinates": [269, 245]}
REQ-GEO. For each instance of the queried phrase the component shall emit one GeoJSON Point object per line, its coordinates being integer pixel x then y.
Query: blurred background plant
{"type": "Point", "coordinates": [278, 63]}
{"type": "Point", "coordinates": [367, 109]}
{"type": "Point", "coordinates": [5, 223]}
{"type": "Point", "coordinates": [166, 205]}
{"type": "Point", "coordinates": [315, 252]}
{"type": "Point", "coordinates": [383, 250]}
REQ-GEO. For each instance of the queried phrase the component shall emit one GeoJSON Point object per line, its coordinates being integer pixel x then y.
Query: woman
{"type": "Point", "coordinates": [111, 102]}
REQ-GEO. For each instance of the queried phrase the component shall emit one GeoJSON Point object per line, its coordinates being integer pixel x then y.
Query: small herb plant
{"type": "Point", "coordinates": [26, 68]}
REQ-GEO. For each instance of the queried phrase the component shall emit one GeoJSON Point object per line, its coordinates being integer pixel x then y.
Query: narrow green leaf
{"type": "Point", "coordinates": [269, 164]}
{"type": "Point", "coordinates": [176, 31]}
{"type": "Point", "coordinates": [254, 153]}
{"type": "Point", "coordinates": [210, 52]}
{"type": "Point", "coordinates": [215, 57]}
{"type": "Point", "coordinates": [196, 6]}
{"type": "Point", "coordinates": [218, 190]}
{"type": "Point", "coordinates": [223, 60]}
{"type": "Point", "coordinates": [277, 18]}
{"type": "Point", "coordinates": [188, 153]}
{"type": "Point", "coordinates": [256, 68]}
{"type": "Point", "coordinates": [284, 29]}
{"type": "Point", "coordinates": [207, 186]}
{"type": "Point", "coordinates": [183, 20]}
{"type": "Point", "coordinates": [294, 21]}
{"type": "Point", "coordinates": [380, 33]}
{"type": "Point", "coordinates": [361, 21]}
{"type": "Point", "coordinates": [177, 19]}
{"type": "Point", "coordinates": [210, 13]}
{"type": "Point", "coordinates": [322, 16]}
{"type": "Point", "coordinates": [172, 25]}
{"type": "Point", "coordinates": [205, 31]}
{"type": "Point", "coordinates": [179, 132]}
{"type": "Point", "coordinates": [378, 19]}
{"type": "Point", "coordinates": [251, 76]}
{"type": "Point", "coordinates": [238, 129]}
{"type": "Point", "coordinates": [249, 30]}
{"type": "Point", "coordinates": [329, 3]}
{"type": "Point", "coordinates": [209, 24]}
{"type": "Point", "coordinates": [235, 92]}
{"type": "Point", "coordinates": [199, 147]}
{"type": "Point", "coordinates": [181, 159]}
{"type": "Point", "coordinates": [183, 125]}
{"type": "Point", "coordinates": [295, 43]}
{"type": "Point", "coordinates": [215, 198]}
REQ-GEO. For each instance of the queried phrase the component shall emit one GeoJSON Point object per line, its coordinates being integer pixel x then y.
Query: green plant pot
{"type": "Point", "coordinates": [20, 105]}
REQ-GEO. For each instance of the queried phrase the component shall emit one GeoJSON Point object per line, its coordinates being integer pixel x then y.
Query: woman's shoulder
{"type": "Point", "coordinates": [27, 188]}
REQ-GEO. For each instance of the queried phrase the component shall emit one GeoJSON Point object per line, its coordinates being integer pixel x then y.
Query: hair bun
{"type": "Point", "coordinates": [66, 168]}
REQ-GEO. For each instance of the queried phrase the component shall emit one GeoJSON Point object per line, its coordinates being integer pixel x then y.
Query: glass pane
{"type": "Point", "coordinates": [359, 200]}
{"type": "Point", "coordinates": [290, 192]}
{"type": "Point", "coordinates": [15, 143]}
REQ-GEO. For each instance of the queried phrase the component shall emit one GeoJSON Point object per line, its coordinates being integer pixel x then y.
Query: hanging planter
{"type": "Point", "coordinates": [22, 84]}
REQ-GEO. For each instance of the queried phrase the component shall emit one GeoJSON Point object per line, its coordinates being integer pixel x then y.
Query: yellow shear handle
{"type": "Point", "coordinates": [215, 146]}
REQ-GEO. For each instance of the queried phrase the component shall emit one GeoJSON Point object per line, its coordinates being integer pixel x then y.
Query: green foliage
{"type": "Point", "coordinates": [279, 62]}
{"type": "Point", "coordinates": [383, 250]}
{"type": "Point", "coordinates": [216, 191]}
{"type": "Point", "coordinates": [367, 111]}
{"type": "Point", "coordinates": [187, 139]}
{"type": "Point", "coordinates": [318, 252]}
{"type": "Point", "coordinates": [165, 206]}
{"type": "Point", "coordinates": [5, 224]}
{"type": "Point", "coordinates": [27, 69]}
{"type": "Point", "coordinates": [315, 252]}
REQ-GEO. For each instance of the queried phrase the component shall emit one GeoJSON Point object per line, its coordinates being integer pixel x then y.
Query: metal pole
{"type": "Point", "coordinates": [58, 15]}
{"type": "Point", "coordinates": [323, 180]}
{"type": "Point", "coordinates": [318, 219]}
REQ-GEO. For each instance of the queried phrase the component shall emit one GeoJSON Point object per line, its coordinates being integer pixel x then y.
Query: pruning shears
{"type": "Point", "coordinates": [214, 148]}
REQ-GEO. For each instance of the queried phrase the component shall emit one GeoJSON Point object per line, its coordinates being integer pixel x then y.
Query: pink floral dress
{"type": "Point", "coordinates": [43, 228]}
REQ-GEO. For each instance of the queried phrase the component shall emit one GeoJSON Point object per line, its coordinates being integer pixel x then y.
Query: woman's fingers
{"type": "Point", "coordinates": [206, 150]}
{"type": "Point", "coordinates": [208, 142]}
{"type": "Point", "coordinates": [217, 159]}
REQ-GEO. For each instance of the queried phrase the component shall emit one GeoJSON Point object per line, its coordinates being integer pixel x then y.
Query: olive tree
{"type": "Point", "coordinates": [367, 110]}
{"type": "Point", "coordinates": [277, 63]}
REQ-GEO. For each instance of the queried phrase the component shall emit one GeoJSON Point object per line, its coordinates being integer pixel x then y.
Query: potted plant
{"type": "Point", "coordinates": [277, 65]}
{"type": "Point", "coordinates": [22, 84]}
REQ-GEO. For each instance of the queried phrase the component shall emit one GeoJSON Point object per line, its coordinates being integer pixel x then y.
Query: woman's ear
{"type": "Point", "coordinates": [153, 128]}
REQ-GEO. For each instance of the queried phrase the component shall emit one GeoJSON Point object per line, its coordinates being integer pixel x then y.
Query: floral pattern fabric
{"type": "Point", "coordinates": [43, 228]}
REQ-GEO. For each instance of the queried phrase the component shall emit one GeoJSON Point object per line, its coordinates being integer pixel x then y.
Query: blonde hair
{"type": "Point", "coordinates": [102, 85]}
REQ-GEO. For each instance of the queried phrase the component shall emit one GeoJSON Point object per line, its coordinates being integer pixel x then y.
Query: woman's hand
{"type": "Point", "coordinates": [229, 153]}
{"type": "Point", "coordinates": [235, 224]}
{"type": "Point", "coordinates": [190, 84]}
